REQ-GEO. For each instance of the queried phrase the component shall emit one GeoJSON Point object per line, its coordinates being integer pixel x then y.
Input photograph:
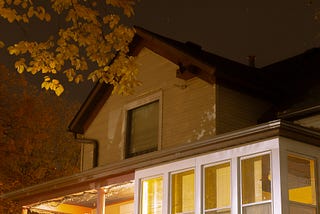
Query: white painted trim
{"type": "Point", "coordinates": [276, 181]}
{"type": "Point", "coordinates": [235, 186]}
{"type": "Point", "coordinates": [233, 156]}
{"type": "Point", "coordinates": [240, 181]}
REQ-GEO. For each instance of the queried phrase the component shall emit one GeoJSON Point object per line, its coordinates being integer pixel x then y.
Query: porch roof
{"type": "Point", "coordinates": [124, 170]}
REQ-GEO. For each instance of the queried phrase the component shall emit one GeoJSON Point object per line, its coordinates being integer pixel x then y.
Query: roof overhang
{"type": "Point", "coordinates": [124, 170]}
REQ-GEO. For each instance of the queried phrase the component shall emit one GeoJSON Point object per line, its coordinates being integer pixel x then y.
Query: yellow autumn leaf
{"type": "Point", "coordinates": [47, 78]}
{"type": "Point", "coordinates": [13, 51]}
{"type": "Point", "coordinates": [24, 4]}
{"type": "Point", "coordinates": [55, 81]}
{"type": "Point", "coordinates": [17, 2]}
{"type": "Point", "coordinates": [47, 17]}
{"type": "Point", "coordinates": [30, 12]}
{"type": "Point", "coordinates": [78, 79]}
{"type": "Point", "coordinates": [59, 90]}
{"type": "Point", "coordinates": [45, 85]}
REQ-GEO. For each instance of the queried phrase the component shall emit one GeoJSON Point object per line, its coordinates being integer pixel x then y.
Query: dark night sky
{"type": "Point", "coordinates": [271, 30]}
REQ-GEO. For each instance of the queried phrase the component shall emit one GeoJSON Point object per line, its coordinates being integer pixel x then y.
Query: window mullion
{"type": "Point", "coordinates": [235, 195]}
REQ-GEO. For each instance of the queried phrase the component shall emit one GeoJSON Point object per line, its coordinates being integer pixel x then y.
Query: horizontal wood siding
{"type": "Point", "coordinates": [188, 111]}
{"type": "Point", "coordinates": [237, 110]}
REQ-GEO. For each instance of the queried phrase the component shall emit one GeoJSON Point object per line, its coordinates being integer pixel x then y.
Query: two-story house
{"type": "Point", "coordinates": [202, 134]}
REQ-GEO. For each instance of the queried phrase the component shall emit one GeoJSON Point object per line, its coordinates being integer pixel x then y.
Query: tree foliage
{"type": "Point", "coordinates": [34, 143]}
{"type": "Point", "coordinates": [91, 43]}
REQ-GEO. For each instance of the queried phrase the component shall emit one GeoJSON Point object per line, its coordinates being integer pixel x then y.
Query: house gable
{"type": "Point", "coordinates": [180, 100]}
{"type": "Point", "coordinates": [192, 61]}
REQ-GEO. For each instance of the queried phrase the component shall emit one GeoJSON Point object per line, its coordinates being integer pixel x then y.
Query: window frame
{"type": "Point", "coordinates": [231, 155]}
{"type": "Point", "coordinates": [170, 188]}
{"type": "Point", "coordinates": [316, 174]}
{"type": "Point", "coordinates": [141, 189]}
{"type": "Point", "coordinates": [203, 201]}
{"type": "Point", "coordinates": [139, 102]}
{"type": "Point", "coordinates": [271, 182]}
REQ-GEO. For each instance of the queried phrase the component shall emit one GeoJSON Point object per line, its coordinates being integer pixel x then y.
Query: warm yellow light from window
{"type": "Point", "coordinates": [217, 186]}
{"type": "Point", "coordinates": [65, 208]}
{"type": "Point", "coordinates": [182, 192]}
{"type": "Point", "coordinates": [151, 200]}
{"type": "Point", "coordinates": [256, 183]}
{"type": "Point", "coordinates": [301, 180]}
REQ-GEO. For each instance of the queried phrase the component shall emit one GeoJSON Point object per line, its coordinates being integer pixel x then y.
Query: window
{"type": "Point", "coordinates": [301, 185]}
{"type": "Point", "coordinates": [217, 189]}
{"type": "Point", "coordinates": [256, 184]}
{"type": "Point", "coordinates": [236, 180]}
{"type": "Point", "coordinates": [182, 192]}
{"type": "Point", "coordinates": [151, 196]}
{"type": "Point", "coordinates": [142, 135]}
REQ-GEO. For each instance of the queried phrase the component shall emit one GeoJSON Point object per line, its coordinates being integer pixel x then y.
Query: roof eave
{"type": "Point", "coordinates": [101, 175]}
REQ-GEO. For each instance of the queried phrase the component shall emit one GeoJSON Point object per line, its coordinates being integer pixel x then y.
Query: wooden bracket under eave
{"type": "Point", "coordinates": [187, 72]}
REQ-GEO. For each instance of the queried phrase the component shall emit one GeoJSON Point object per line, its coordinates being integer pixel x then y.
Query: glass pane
{"type": "Point", "coordinates": [256, 179]}
{"type": "Point", "coordinates": [143, 128]}
{"type": "Point", "coordinates": [217, 186]}
{"type": "Point", "coordinates": [182, 192]}
{"type": "Point", "coordinates": [226, 211]}
{"type": "Point", "coordinates": [301, 208]}
{"type": "Point", "coordinates": [258, 209]}
{"type": "Point", "coordinates": [301, 180]}
{"type": "Point", "coordinates": [151, 200]}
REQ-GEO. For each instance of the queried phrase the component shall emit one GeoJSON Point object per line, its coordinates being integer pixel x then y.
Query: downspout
{"type": "Point", "coordinates": [93, 142]}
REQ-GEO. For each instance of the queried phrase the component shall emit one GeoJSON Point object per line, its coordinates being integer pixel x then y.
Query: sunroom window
{"type": "Point", "coordinates": [256, 184]}
{"type": "Point", "coordinates": [301, 185]}
{"type": "Point", "coordinates": [217, 189]}
{"type": "Point", "coordinates": [182, 192]}
{"type": "Point", "coordinates": [151, 195]}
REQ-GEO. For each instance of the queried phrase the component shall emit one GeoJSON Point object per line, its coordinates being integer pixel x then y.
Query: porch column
{"type": "Point", "coordinates": [101, 201]}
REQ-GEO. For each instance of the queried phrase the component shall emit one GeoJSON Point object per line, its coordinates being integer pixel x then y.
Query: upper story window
{"type": "Point", "coordinates": [143, 122]}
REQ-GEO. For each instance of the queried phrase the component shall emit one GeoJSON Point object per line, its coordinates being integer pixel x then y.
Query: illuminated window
{"type": "Point", "coordinates": [301, 184]}
{"type": "Point", "coordinates": [151, 196]}
{"type": "Point", "coordinates": [256, 184]}
{"type": "Point", "coordinates": [182, 192]}
{"type": "Point", "coordinates": [217, 189]}
{"type": "Point", "coordinates": [142, 129]}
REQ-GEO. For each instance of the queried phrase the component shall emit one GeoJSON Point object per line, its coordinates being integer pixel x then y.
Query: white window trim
{"type": "Point", "coordinates": [202, 208]}
{"type": "Point", "coordinates": [293, 147]}
{"type": "Point", "coordinates": [233, 156]}
{"type": "Point", "coordinates": [140, 101]}
{"type": "Point", "coordinates": [240, 180]}
{"type": "Point", "coordinates": [316, 172]}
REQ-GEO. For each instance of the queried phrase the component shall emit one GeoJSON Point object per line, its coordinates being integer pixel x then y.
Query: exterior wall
{"type": "Point", "coordinates": [236, 110]}
{"type": "Point", "coordinates": [188, 109]}
{"type": "Point", "coordinates": [87, 159]}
